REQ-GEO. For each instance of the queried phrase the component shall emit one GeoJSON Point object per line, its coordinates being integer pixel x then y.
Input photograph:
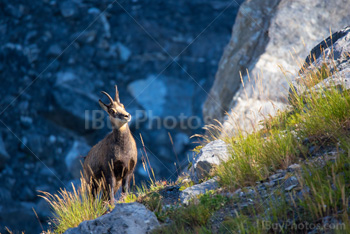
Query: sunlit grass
{"type": "Point", "coordinates": [70, 208]}
{"type": "Point", "coordinates": [256, 156]}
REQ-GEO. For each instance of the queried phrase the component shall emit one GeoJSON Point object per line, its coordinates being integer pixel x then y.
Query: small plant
{"type": "Point", "coordinates": [195, 217]}
{"type": "Point", "coordinates": [186, 185]}
{"type": "Point", "coordinates": [212, 200]}
{"type": "Point", "coordinates": [187, 219]}
{"type": "Point", "coordinates": [71, 208]}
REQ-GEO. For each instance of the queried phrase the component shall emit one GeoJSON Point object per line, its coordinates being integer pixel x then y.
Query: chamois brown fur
{"type": "Point", "coordinates": [113, 158]}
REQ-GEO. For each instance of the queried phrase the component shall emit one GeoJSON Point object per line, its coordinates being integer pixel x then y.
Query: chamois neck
{"type": "Point", "coordinates": [122, 132]}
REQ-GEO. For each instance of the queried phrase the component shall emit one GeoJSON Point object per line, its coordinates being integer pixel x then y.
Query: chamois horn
{"type": "Point", "coordinates": [109, 97]}
{"type": "Point", "coordinates": [117, 94]}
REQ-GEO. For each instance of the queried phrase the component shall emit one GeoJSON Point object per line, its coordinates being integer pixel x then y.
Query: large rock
{"type": "Point", "coordinates": [208, 158]}
{"type": "Point", "coordinates": [130, 218]}
{"type": "Point", "coordinates": [192, 192]}
{"type": "Point", "coordinates": [264, 36]}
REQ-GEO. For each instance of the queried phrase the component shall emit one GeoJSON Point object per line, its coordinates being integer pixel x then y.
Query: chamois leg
{"type": "Point", "coordinates": [111, 183]}
{"type": "Point", "coordinates": [126, 183]}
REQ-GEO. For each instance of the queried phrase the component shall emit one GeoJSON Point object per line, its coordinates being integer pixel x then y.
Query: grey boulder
{"type": "Point", "coordinates": [130, 218]}
{"type": "Point", "coordinates": [210, 156]}
{"type": "Point", "coordinates": [192, 192]}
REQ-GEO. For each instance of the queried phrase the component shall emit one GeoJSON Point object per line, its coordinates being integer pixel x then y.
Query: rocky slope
{"type": "Point", "coordinates": [67, 52]}
{"type": "Point", "coordinates": [266, 35]}
{"type": "Point", "coordinates": [285, 201]}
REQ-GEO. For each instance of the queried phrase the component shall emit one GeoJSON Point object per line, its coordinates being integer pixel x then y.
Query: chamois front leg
{"type": "Point", "coordinates": [111, 183]}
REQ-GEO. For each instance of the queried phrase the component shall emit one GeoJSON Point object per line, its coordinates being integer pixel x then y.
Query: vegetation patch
{"type": "Point", "coordinates": [195, 217]}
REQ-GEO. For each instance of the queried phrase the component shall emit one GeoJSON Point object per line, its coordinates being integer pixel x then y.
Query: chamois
{"type": "Point", "coordinates": [113, 159]}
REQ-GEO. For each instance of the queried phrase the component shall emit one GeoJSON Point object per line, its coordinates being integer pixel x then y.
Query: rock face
{"type": "Point", "coordinates": [264, 36]}
{"type": "Point", "coordinates": [125, 218]}
{"type": "Point", "coordinates": [210, 156]}
{"type": "Point", "coordinates": [333, 52]}
{"type": "Point", "coordinates": [195, 190]}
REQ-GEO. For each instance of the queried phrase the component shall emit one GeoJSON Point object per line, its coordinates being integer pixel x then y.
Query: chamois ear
{"type": "Point", "coordinates": [104, 106]}
{"type": "Point", "coordinates": [117, 94]}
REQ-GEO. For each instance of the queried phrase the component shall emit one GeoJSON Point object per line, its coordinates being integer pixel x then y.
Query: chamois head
{"type": "Point", "coordinates": [116, 111]}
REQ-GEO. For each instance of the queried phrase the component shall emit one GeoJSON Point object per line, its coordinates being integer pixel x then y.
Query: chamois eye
{"type": "Point", "coordinates": [112, 111]}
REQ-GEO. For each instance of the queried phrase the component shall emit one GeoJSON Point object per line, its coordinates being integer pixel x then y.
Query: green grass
{"type": "Point", "coordinates": [256, 156]}
{"type": "Point", "coordinates": [72, 208]}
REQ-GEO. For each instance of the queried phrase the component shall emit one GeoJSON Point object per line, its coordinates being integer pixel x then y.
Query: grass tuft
{"type": "Point", "coordinates": [70, 208]}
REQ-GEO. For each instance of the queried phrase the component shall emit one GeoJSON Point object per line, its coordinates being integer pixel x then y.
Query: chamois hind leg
{"type": "Point", "coordinates": [129, 174]}
{"type": "Point", "coordinates": [126, 183]}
